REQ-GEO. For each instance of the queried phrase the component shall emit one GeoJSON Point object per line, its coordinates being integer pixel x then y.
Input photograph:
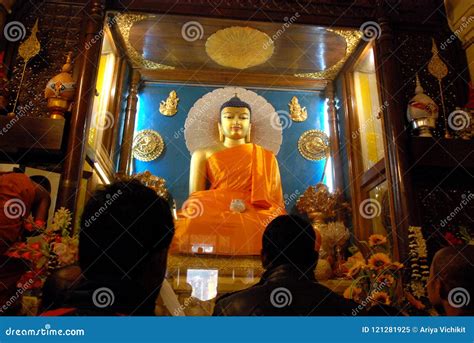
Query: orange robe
{"type": "Point", "coordinates": [206, 223]}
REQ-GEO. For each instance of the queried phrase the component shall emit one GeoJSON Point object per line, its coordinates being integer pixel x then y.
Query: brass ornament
{"type": "Point", "coordinates": [60, 90]}
{"type": "Point", "coordinates": [158, 184]}
{"type": "Point", "coordinates": [124, 24]}
{"type": "Point", "coordinates": [31, 46]}
{"type": "Point", "coordinates": [239, 47]}
{"type": "Point", "coordinates": [147, 145]}
{"type": "Point", "coordinates": [439, 70]}
{"type": "Point", "coordinates": [27, 50]}
{"type": "Point", "coordinates": [352, 38]}
{"type": "Point", "coordinates": [313, 145]}
{"type": "Point", "coordinates": [297, 113]}
{"type": "Point", "coordinates": [169, 107]}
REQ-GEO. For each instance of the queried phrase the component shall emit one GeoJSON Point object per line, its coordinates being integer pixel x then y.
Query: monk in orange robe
{"type": "Point", "coordinates": [20, 196]}
{"type": "Point", "coordinates": [243, 195]}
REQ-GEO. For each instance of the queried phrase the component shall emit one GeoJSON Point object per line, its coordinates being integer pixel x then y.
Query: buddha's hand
{"type": "Point", "coordinates": [237, 205]}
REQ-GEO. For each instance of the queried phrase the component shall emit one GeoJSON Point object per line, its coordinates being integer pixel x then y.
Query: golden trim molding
{"type": "Point", "coordinates": [352, 38]}
{"type": "Point", "coordinates": [124, 24]}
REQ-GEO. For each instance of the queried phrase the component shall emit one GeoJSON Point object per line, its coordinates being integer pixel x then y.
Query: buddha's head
{"type": "Point", "coordinates": [235, 120]}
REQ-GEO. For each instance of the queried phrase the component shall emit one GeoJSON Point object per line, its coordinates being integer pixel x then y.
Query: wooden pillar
{"type": "Point", "coordinates": [396, 136]}
{"type": "Point", "coordinates": [125, 160]}
{"type": "Point", "coordinates": [85, 91]}
{"type": "Point", "coordinates": [334, 137]}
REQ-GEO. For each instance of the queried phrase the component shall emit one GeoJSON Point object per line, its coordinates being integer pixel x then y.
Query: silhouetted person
{"type": "Point", "coordinates": [126, 230]}
{"type": "Point", "coordinates": [288, 286]}
{"type": "Point", "coordinates": [20, 197]}
{"type": "Point", "coordinates": [451, 283]}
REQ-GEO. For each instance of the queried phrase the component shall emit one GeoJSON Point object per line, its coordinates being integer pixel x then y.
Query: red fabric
{"type": "Point", "coordinates": [58, 312]}
{"type": "Point", "coordinates": [17, 193]}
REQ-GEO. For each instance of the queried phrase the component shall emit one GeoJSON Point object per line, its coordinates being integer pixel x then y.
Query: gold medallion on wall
{"type": "Point", "coordinates": [147, 145]}
{"type": "Point", "coordinates": [239, 47]}
{"type": "Point", "coordinates": [313, 145]}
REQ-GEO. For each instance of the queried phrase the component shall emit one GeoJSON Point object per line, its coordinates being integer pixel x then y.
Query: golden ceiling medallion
{"type": "Point", "coordinates": [239, 47]}
{"type": "Point", "coordinates": [297, 113]}
{"type": "Point", "coordinates": [124, 24]}
{"type": "Point", "coordinates": [352, 38]}
{"type": "Point", "coordinates": [313, 145]}
{"type": "Point", "coordinates": [147, 145]}
{"type": "Point", "coordinates": [169, 107]}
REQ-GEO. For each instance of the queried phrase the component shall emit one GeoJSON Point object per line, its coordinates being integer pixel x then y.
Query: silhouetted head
{"type": "Point", "coordinates": [289, 239]}
{"type": "Point", "coordinates": [451, 283]}
{"type": "Point", "coordinates": [126, 230]}
{"type": "Point", "coordinates": [43, 181]}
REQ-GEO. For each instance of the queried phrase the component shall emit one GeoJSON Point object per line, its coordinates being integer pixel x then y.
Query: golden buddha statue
{"type": "Point", "coordinates": [235, 191]}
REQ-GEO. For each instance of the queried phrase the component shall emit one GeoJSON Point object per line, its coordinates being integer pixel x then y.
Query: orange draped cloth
{"type": "Point", "coordinates": [207, 224]}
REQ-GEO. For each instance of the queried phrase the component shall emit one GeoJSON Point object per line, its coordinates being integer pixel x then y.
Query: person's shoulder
{"type": "Point", "coordinates": [17, 177]}
{"type": "Point", "coordinates": [235, 303]}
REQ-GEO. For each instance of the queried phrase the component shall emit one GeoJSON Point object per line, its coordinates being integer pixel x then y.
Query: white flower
{"type": "Point", "coordinates": [62, 220]}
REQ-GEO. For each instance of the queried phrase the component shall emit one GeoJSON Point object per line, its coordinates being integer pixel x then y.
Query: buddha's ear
{"type": "Point", "coordinates": [221, 133]}
{"type": "Point", "coordinates": [247, 137]}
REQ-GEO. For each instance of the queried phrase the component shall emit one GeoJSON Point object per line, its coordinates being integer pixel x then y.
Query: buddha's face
{"type": "Point", "coordinates": [235, 122]}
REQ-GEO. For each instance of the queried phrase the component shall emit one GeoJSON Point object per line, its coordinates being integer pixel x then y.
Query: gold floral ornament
{"type": "Point", "coordinates": [314, 145]}
{"type": "Point", "coordinates": [158, 184]}
{"type": "Point", "coordinates": [147, 145]}
{"type": "Point", "coordinates": [297, 113]}
{"type": "Point", "coordinates": [27, 50]}
{"type": "Point", "coordinates": [169, 107]}
{"type": "Point", "coordinates": [320, 204]}
{"type": "Point", "coordinates": [239, 47]}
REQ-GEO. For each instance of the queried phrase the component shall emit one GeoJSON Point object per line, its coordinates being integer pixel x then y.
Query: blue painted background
{"type": "Point", "coordinates": [297, 173]}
